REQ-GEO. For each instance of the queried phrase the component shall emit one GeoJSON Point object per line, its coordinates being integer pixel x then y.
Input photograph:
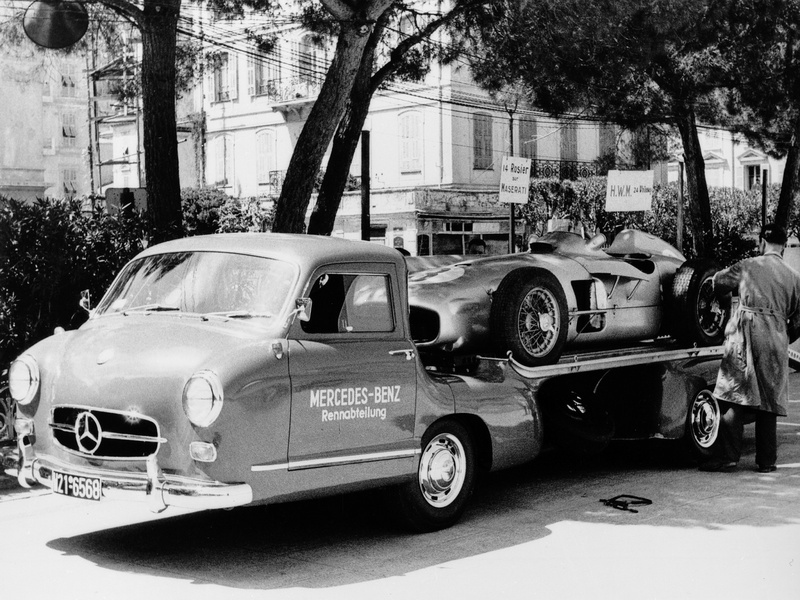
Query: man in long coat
{"type": "Point", "coordinates": [753, 376]}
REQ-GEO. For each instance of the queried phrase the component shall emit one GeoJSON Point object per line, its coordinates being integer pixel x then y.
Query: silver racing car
{"type": "Point", "coordinates": [567, 292]}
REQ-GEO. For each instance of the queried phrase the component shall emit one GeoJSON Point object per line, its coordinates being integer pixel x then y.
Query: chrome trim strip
{"type": "Point", "coordinates": [115, 436]}
{"type": "Point", "coordinates": [338, 460]}
{"type": "Point", "coordinates": [133, 438]}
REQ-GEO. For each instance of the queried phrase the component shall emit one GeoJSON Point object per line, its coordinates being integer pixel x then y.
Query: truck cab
{"type": "Point", "coordinates": [234, 369]}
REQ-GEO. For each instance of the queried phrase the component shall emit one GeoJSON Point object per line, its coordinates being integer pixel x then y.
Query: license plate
{"type": "Point", "coordinates": [76, 486]}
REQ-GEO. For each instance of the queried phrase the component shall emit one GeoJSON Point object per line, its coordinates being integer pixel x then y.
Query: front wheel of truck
{"type": "Point", "coordinates": [438, 495]}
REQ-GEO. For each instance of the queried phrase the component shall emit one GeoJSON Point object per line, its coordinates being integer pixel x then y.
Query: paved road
{"type": "Point", "coordinates": [539, 531]}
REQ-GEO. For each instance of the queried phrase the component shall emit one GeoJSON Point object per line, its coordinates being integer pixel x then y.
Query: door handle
{"type": "Point", "coordinates": [409, 353]}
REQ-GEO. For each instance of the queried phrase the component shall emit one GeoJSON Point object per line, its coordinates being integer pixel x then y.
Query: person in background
{"type": "Point", "coordinates": [753, 379]}
{"type": "Point", "coordinates": [476, 246]}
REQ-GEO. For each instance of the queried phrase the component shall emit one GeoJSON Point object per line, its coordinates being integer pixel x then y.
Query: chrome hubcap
{"type": "Point", "coordinates": [705, 419]}
{"type": "Point", "coordinates": [442, 470]}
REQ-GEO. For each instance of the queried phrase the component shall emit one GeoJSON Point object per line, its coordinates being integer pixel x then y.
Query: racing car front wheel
{"type": "Point", "coordinates": [697, 316]}
{"type": "Point", "coordinates": [437, 497]}
{"type": "Point", "coordinates": [529, 316]}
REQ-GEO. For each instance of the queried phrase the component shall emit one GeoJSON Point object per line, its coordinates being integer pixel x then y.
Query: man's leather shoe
{"type": "Point", "coordinates": [766, 468]}
{"type": "Point", "coordinates": [718, 466]}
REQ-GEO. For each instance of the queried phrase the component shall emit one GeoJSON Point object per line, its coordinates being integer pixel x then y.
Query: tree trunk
{"type": "Point", "coordinates": [319, 129]}
{"type": "Point", "coordinates": [699, 203]}
{"type": "Point", "coordinates": [345, 142]}
{"type": "Point", "coordinates": [791, 179]}
{"type": "Point", "coordinates": [159, 31]}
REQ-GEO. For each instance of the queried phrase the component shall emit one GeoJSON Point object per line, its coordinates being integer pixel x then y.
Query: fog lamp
{"type": "Point", "coordinates": [202, 398]}
{"type": "Point", "coordinates": [203, 451]}
{"type": "Point", "coordinates": [23, 379]}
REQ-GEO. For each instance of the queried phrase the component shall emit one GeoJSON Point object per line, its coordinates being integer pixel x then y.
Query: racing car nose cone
{"type": "Point", "coordinates": [105, 356]}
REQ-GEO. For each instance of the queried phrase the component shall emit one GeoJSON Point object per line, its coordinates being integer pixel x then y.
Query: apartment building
{"type": "Point", "coordinates": [436, 146]}
{"type": "Point", "coordinates": [44, 125]}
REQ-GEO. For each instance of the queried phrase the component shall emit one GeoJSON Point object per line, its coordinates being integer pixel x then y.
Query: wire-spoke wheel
{"type": "Point", "coordinates": [697, 315]}
{"type": "Point", "coordinates": [529, 316]}
{"type": "Point", "coordinates": [539, 322]}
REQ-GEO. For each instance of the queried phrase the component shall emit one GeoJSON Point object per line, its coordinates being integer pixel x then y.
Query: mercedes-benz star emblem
{"type": "Point", "coordinates": [88, 433]}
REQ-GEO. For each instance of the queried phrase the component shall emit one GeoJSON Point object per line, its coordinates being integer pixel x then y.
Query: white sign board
{"type": "Point", "coordinates": [515, 179]}
{"type": "Point", "coordinates": [629, 191]}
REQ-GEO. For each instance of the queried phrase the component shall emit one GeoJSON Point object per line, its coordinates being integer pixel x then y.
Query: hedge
{"type": "Point", "coordinates": [52, 249]}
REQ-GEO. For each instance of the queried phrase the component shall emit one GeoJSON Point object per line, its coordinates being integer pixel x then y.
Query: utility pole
{"type": "Point", "coordinates": [680, 209]}
{"type": "Point", "coordinates": [511, 214]}
{"type": "Point", "coordinates": [365, 217]}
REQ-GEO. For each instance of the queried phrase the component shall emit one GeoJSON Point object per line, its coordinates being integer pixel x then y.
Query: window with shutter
{"type": "Point", "coordinates": [410, 143]}
{"type": "Point", "coordinates": [68, 132]}
{"type": "Point", "coordinates": [68, 81]}
{"type": "Point", "coordinates": [225, 79]}
{"type": "Point", "coordinates": [223, 161]}
{"type": "Point", "coordinates": [569, 141]}
{"type": "Point", "coordinates": [309, 60]}
{"type": "Point", "coordinates": [527, 137]}
{"type": "Point", "coordinates": [482, 141]}
{"type": "Point", "coordinates": [265, 156]}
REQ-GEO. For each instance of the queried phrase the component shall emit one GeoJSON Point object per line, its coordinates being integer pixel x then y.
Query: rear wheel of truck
{"type": "Point", "coordinates": [529, 316]}
{"type": "Point", "coordinates": [697, 315]}
{"type": "Point", "coordinates": [702, 426]}
{"type": "Point", "coordinates": [437, 497]}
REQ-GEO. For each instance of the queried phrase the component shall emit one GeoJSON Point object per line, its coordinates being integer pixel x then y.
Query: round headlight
{"type": "Point", "coordinates": [202, 398]}
{"type": "Point", "coordinates": [23, 379]}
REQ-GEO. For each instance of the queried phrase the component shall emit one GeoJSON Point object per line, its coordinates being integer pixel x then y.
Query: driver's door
{"type": "Point", "coordinates": [352, 369]}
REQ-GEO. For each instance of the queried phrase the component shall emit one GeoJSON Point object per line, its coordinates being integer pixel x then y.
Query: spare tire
{"type": "Point", "coordinates": [698, 317]}
{"type": "Point", "coordinates": [529, 316]}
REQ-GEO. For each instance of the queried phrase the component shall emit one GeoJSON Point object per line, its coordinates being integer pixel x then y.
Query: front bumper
{"type": "Point", "coordinates": [156, 488]}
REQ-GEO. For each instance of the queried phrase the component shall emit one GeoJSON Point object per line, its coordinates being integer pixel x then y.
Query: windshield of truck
{"type": "Point", "coordinates": [234, 286]}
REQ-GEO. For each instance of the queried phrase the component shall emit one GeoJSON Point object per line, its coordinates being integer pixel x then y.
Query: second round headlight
{"type": "Point", "coordinates": [202, 398]}
{"type": "Point", "coordinates": [23, 379]}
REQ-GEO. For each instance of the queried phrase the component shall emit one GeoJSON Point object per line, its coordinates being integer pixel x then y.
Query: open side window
{"type": "Point", "coordinates": [350, 303]}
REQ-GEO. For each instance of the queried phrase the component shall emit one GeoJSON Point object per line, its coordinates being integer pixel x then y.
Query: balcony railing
{"type": "Point", "coordinates": [276, 179]}
{"type": "Point", "coordinates": [564, 169]}
{"type": "Point", "coordinates": [292, 89]}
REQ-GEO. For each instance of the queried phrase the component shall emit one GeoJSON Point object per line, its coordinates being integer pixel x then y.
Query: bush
{"type": "Point", "coordinates": [201, 207]}
{"type": "Point", "coordinates": [49, 252]}
{"type": "Point", "coordinates": [245, 214]}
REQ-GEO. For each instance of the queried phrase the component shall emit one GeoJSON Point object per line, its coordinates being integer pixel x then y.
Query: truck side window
{"type": "Point", "coordinates": [347, 303]}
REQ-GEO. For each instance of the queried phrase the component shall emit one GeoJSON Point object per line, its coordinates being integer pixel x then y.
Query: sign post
{"type": "Point", "coordinates": [515, 181]}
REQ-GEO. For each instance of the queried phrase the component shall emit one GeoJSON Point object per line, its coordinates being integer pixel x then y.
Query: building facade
{"type": "Point", "coordinates": [44, 124]}
{"type": "Point", "coordinates": [732, 163]}
{"type": "Point", "coordinates": [436, 146]}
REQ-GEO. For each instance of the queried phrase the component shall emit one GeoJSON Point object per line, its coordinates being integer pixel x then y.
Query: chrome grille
{"type": "Point", "coordinates": [105, 434]}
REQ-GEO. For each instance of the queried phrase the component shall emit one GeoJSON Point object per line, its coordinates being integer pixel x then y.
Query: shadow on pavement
{"type": "Point", "coordinates": [350, 539]}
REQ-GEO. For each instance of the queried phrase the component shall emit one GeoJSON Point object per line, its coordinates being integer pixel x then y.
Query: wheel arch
{"type": "Point", "coordinates": [479, 434]}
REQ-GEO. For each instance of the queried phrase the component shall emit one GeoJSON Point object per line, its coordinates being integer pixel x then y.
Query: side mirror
{"type": "Point", "coordinates": [86, 301]}
{"type": "Point", "coordinates": [303, 309]}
